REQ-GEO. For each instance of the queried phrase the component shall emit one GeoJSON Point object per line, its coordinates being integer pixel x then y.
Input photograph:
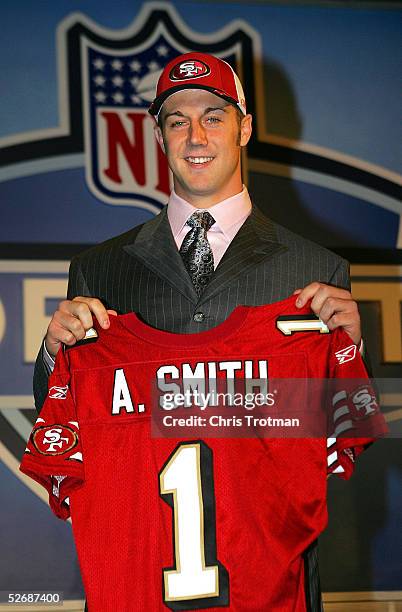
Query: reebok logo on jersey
{"type": "Point", "coordinates": [56, 392]}
{"type": "Point", "coordinates": [346, 354]}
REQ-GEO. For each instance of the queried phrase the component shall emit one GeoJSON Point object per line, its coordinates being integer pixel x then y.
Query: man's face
{"type": "Point", "coordinates": [202, 138]}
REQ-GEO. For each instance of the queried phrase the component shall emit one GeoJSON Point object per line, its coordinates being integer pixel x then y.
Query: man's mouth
{"type": "Point", "coordinates": [199, 160]}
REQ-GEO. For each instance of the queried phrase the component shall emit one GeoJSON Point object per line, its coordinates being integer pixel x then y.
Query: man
{"type": "Point", "coordinates": [210, 249]}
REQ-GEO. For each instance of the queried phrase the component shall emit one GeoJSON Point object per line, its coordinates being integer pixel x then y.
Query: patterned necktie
{"type": "Point", "coordinates": [196, 251]}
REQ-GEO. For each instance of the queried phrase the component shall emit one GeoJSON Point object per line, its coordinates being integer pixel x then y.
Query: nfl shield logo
{"type": "Point", "coordinates": [124, 163]}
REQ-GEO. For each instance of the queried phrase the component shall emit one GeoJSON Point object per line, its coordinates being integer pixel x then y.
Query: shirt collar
{"type": "Point", "coordinates": [228, 214]}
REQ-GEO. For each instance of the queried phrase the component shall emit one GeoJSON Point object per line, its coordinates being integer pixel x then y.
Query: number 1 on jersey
{"type": "Point", "coordinates": [197, 580]}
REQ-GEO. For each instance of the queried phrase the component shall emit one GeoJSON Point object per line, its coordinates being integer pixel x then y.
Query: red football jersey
{"type": "Point", "coordinates": [203, 522]}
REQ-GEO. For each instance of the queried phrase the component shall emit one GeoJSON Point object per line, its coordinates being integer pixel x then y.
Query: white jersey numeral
{"type": "Point", "coordinates": [288, 324]}
{"type": "Point", "coordinates": [186, 486]}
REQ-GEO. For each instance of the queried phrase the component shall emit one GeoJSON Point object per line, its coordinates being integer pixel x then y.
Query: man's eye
{"type": "Point", "coordinates": [177, 123]}
{"type": "Point", "coordinates": [213, 120]}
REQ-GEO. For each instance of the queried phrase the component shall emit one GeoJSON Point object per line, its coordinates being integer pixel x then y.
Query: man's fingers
{"type": "Point", "coordinates": [65, 336]}
{"type": "Point", "coordinates": [86, 306]}
{"type": "Point", "coordinates": [318, 293]}
{"type": "Point", "coordinates": [75, 322]}
{"type": "Point", "coordinates": [326, 309]}
{"type": "Point", "coordinates": [63, 328]}
{"type": "Point", "coordinates": [344, 307]}
{"type": "Point", "coordinates": [334, 306]}
{"type": "Point", "coordinates": [72, 320]}
{"type": "Point", "coordinates": [76, 309]}
{"type": "Point", "coordinates": [330, 299]}
{"type": "Point", "coordinates": [83, 308]}
{"type": "Point", "coordinates": [348, 323]}
{"type": "Point", "coordinates": [307, 293]}
{"type": "Point", "coordinates": [339, 320]}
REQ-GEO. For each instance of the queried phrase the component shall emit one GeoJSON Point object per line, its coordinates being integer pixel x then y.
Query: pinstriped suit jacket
{"type": "Point", "coordinates": [141, 271]}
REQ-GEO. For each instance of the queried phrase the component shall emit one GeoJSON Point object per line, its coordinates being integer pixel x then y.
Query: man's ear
{"type": "Point", "coordinates": [159, 137]}
{"type": "Point", "coordinates": [245, 130]}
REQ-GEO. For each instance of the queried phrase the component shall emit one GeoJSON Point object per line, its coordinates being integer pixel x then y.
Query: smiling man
{"type": "Point", "coordinates": [210, 249]}
{"type": "Point", "coordinates": [201, 136]}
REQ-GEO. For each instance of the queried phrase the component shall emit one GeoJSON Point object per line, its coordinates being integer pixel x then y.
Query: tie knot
{"type": "Point", "coordinates": [201, 219]}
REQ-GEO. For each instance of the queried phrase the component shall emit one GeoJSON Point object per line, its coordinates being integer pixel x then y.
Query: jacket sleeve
{"type": "Point", "coordinates": [77, 285]}
{"type": "Point", "coordinates": [341, 278]}
{"type": "Point", "coordinates": [341, 275]}
{"type": "Point", "coordinates": [40, 380]}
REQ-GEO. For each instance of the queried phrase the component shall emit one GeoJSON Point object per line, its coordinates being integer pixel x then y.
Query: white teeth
{"type": "Point", "coordinates": [199, 160]}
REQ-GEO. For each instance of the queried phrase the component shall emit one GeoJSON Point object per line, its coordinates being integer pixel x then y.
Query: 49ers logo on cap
{"type": "Point", "coordinates": [190, 69]}
{"type": "Point", "coordinates": [54, 439]}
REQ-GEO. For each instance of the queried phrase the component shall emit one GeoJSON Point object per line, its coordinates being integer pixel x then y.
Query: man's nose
{"type": "Point", "coordinates": [197, 134]}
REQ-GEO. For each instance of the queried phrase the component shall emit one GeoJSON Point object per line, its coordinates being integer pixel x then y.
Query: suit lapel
{"type": "Point", "coordinates": [154, 245]}
{"type": "Point", "coordinates": [255, 242]}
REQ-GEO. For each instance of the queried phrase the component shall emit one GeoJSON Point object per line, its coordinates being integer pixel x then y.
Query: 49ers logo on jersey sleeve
{"type": "Point", "coordinates": [190, 69]}
{"type": "Point", "coordinates": [363, 402]}
{"type": "Point", "coordinates": [54, 439]}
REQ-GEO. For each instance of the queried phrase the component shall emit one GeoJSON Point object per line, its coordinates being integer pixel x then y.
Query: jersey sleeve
{"type": "Point", "coordinates": [53, 455]}
{"type": "Point", "coordinates": [354, 418]}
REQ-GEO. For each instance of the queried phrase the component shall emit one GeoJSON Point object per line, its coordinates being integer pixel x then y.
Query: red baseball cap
{"type": "Point", "coordinates": [199, 71]}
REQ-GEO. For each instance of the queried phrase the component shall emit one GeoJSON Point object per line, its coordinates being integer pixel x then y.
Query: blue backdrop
{"type": "Point", "coordinates": [323, 84]}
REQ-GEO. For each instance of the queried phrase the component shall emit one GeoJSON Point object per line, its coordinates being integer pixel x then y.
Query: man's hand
{"type": "Point", "coordinates": [72, 320]}
{"type": "Point", "coordinates": [334, 306]}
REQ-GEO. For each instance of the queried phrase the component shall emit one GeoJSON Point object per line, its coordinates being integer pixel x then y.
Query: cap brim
{"type": "Point", "coordinates": [157, 104]}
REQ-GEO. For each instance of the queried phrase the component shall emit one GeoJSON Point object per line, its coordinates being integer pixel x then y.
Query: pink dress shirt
{"type": "Point", "coordinates": [229, 216]}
